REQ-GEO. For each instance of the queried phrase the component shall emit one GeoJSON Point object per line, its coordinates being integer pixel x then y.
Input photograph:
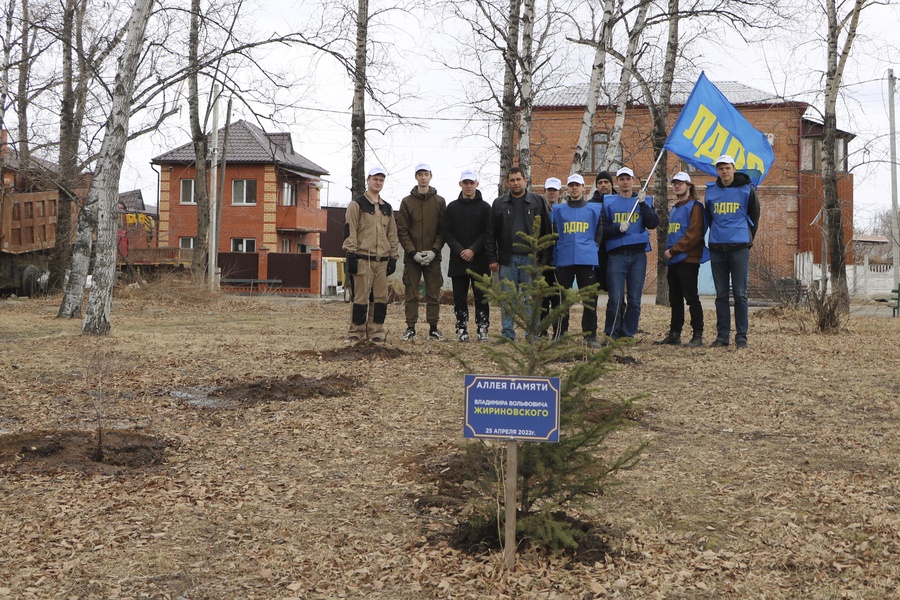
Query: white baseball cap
{"type": "Point", "coordinates": [575, 178]}
{"type": "Point", "coordinates": [624, 171]}
{"type": "Point", "coordinates": [468, 174]}
{"type": "Point", "coordinates": [724, 160]}
{"type": "Point", "coordinates": [681, 176]}
{"type": "Point", "coordinates": [423, 167]}
{"type": "Point", "coordinates": [553, 184]}
{"type": "Point", "coordinates": [377, 171]}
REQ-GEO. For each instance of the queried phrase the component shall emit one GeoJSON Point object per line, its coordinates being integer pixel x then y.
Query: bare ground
{"type": "Point", "coordinates": [263, 461]}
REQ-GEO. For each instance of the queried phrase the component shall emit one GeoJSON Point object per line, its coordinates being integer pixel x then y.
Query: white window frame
{"type": "Point", "coordinates": [241, 244]}
{"type": "Point", "coordinates": [239, 192]}
{"type": "Point", "coordinates": [186, 242]}
{"type": "Point", "coordinates": [193, 196]}
{"type": "Point", "coordinates": [286, 246]}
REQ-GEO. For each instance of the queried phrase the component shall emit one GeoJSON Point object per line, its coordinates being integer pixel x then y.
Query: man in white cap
{"type": "Point", "coordinates": [419, 229]}
{"type": "Point", "coordinates": [626, 220]}
{"type": "Point", "coordinates": [371, 246]}
{"type": "Point", "coordinates": [465, 229]}
{"type": "Point", "coordinates": [552, 189]}
{"type": "Point", "coordinates": [733, 212]}
{"type": "Point", "coordinates": [577, 223]}
{"type": "Point", "coordinates": [685, 251]}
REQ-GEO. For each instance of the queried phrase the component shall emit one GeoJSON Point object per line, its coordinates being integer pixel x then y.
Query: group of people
{"type": "Point", "coordinates": [601, 240]}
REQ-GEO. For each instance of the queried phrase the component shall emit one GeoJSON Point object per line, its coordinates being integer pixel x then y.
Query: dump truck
{"type": "Point", "coordinates": [27, 237]}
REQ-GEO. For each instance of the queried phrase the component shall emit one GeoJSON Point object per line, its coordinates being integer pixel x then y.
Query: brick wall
{"type": "Point", "coordinates": [555, 134]}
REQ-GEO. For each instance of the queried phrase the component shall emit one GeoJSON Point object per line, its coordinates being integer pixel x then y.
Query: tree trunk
{"type": "Point", "coordinates": [660, 133]}
{"type": "Point", "coordinates": [508, 108]}
{"type": "Point", "coordinates": [833, 218]}
{"type": "Point", "coordinates": [68, 163]}
{"type": "Point", "coordinates": [526, 99]}
{"type": "Point", "coordinates": [358, 115]}
{"type": "Point", "coordinates": [584, 147]}
{"type": "Point", "coordinates": [7, 67]}
{"type": "Point", "coordinates": [25, 62]}
{"type": "Point", "coordinates": [105, 186]}
{"type": "Point", "coordinates": [200, 140]}
{"type": "Point", "coordinates": [614, 157]}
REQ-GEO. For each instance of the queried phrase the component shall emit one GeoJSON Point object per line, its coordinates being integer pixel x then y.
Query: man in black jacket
{"type": "Point", "coordinates": [512, 213]}
{"type": "Point", "coordinates": [465, 229]}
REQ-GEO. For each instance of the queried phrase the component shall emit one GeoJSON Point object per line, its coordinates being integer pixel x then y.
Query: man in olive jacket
{"type": "Point", "coordinates": [419, 229]}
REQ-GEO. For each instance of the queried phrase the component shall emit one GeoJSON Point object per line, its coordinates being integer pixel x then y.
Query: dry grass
{"type": "Point", "coordinates": [772, 472]}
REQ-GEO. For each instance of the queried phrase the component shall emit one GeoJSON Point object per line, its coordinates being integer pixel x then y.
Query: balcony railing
{"type": "Point", "coordinates": [301, 218]}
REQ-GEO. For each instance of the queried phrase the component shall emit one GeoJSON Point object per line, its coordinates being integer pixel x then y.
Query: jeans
{"type": "Point", "coordinates": [625, 275]}
{"type": "Point", "coordinates": [461, 302]}
{"type": "Point", "coordinates": [733, 265]}
{"type": "Point", "coordinates": [512, 276]}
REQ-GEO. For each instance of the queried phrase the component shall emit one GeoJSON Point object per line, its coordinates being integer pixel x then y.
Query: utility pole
{"type": "Point", "coordinates": [213, 236]}
{"type": "Point", "coordinates": [895, 229]}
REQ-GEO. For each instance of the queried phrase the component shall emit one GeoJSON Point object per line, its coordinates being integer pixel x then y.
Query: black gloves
{"type": "Point", "coordinates": [391, 266]}
{"type": "Point", "coordinates": [352, 264]}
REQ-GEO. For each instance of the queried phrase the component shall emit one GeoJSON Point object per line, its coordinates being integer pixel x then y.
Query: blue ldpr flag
{"type": "Point", "coordinates": [710, 126]}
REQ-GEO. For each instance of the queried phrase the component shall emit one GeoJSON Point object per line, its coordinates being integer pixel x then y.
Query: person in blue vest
{"type": "Point", "coordinates": [733, 212]}
{"type": "Point", "coordinates": [627, 217]}
{"type": "Point", "coordinates": [685, 251]}
{"type": "Point", "coordinates": [577, 223]}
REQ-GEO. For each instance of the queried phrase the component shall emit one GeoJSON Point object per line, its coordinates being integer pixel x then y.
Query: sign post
{"type": "Point", "coordinates": [512, 408]}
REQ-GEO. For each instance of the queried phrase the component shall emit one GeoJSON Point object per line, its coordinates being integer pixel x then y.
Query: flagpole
{"type": "Point", "coordinates": [642, 192]}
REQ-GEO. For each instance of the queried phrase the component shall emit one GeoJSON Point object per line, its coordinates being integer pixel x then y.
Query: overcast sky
{"type": "Point", "coordinates": [321, 131]}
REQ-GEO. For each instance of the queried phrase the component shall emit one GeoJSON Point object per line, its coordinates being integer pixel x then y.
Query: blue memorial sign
{"type": "Point", "coordinates": [512, 407]}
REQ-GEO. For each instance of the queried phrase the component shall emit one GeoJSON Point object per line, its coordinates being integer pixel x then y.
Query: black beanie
{"type": "Point", "coordinates": [604, 175]}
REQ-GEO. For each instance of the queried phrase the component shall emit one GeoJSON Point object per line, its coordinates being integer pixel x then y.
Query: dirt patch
{"type": "Point", "coordinates": [268, 389]}
{"type": "Point", "coordinates": [362, 351]}
{"type": "Point", "coordinates": [42, 451]}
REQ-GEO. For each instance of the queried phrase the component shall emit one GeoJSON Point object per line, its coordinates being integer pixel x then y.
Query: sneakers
{"type": "Point", "coordinates": [741, 344]}
{"type": "Point", "coordinates": [483, 334]}
{"type": "Point", "coordinates": [409, 335]}
{"type": "Point", "coordinates": [352, 339]}
{"type": "Point", "coordinates": [462, 335]}
{"type": "Point", "coordinates": [592, 342]}
{"type": "Point", "coordinates": [718, 344]}
{"type": "Point", "coordinates": [673, 338]}
{"type": "Point", "coordinates": [435, 335]}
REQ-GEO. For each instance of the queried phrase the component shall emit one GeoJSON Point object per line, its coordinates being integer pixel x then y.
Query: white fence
{"type": "Point", "coordinates": [864, 281]}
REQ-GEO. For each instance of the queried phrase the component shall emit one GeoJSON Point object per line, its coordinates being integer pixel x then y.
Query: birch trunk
{"type": "Point", "coordinates": [833, 221]}
{"type": "Point", "coordinates": [358, 114]}
{"type": "Point", "coordinates": [7, 53]}
{"type": "Point", "coordinates": [25, 62]}
{"type": "Point", "coordinates": [526, 100]}
{"type": "Point", "coordinates": [105, 185]}
{"type": "Point", "coordinates": [508, 108]}
{"type": "Point", "coordinates": [614, 147]}
{"type": "Point", "coordinates": [581, 158]}
{"type": "Point", "coordinates": [660, 133]}
{"type": "Point", "coordinates": [200, 141]}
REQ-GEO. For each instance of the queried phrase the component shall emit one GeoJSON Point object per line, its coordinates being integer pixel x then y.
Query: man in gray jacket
{"type": "Point", "coordinates": [419, 229]}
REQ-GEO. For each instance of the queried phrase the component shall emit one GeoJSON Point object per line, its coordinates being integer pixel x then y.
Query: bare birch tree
{"type": "Point", "coordinates": [104, 188]}
{"type": "Point", "coordinates": [840, 35]}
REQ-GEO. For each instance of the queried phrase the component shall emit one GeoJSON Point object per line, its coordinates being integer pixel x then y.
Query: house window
{"type": "Point", "coordinates": [599, 146]}
{"type": "Point", "coordinates": [243, 191]}
{"type": "Point", "coordinates": [288, 194]}
{"type": "Point", "coordinates": [243, 245]}
{"type": "Point", "coordinates": [187, 191]}
{"type": "Point", "coordinates": [186, 243]}
{"type": "Point", "coordinates": [285, 246]}
{"type": "Point", "coordinates": [811, 154]}
{"type": "Point", "coordinates": [301, 248]}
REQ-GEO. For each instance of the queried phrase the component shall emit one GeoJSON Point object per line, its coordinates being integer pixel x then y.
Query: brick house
{"type": "Point", "coordinates": [790, 196]}
{"type": "Point", "coordinates": [270, 219]}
